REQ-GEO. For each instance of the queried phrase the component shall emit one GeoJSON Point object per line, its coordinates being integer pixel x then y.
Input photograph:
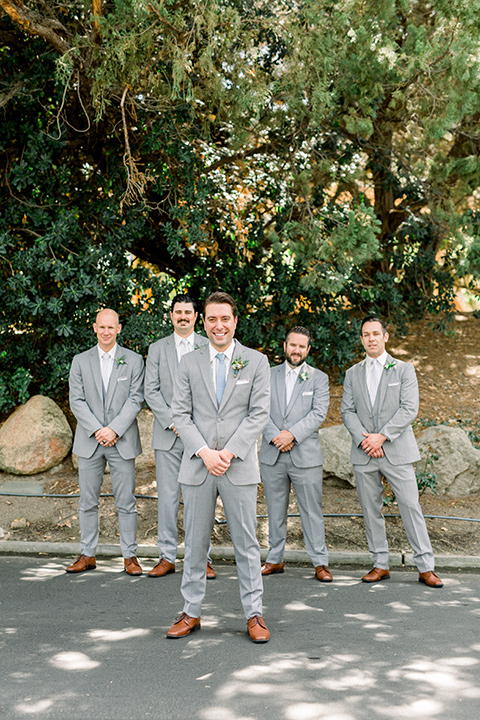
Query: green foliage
{"type": "Point", "coordinates": [318, 160]}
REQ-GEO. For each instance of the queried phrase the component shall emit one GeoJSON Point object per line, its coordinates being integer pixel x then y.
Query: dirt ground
{"type": "Point", "coordinates": [448, 369]}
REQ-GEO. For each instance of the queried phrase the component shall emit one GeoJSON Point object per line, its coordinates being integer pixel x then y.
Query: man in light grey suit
{"type": "Point", "coordinates": [291, 453]}
{"type": "Point", "coordinates": [220, 406]}
{"type": "Point", "coordinates": [106, 395]}
{"type": "Point", "coordinates": [379, 404]}
{"type": "Point", "coordinates": [162, 365]}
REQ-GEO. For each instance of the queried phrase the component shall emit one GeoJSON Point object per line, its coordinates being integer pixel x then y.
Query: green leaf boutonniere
{"type": "Point", "coordinates": [238, 364]}
{"type": "Point", "coordinates": [121, 361]}
{"type": "Point", "coordinates": [303, 376]}
{"type": "Point", "coordinates": [390, 365]}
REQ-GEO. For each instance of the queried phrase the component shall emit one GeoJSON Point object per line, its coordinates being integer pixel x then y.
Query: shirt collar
{"type": "Point", "coordinates": [228, 352]}
{"type": "Point", "coordinates": [382, 359]}
{"type": "Point", "coordinates": [179, 339]}
{"type": "Point", "coordinates": [295, 370]}
{"type": "Point", "coordinates": [111, 352]}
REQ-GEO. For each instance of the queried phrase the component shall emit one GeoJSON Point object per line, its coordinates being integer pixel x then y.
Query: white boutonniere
{"type": "Point", "coordinates": [390, 365]}
{"type": "Point", "coordinates": [238, 364]}
{"type": "Point", "coordinates": [303, 376]}
{"type": "Point", "coordinates": [121, 361]}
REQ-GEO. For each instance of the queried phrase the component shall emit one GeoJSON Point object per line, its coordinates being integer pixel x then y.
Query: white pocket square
{"type": "Point", "coordinates": [242, 382]}
{"type": "Point", "coordinates": [393, 384]}
{"type": "Point", "coordinates": [308, 392]}
{"type": "Point", "coordinates": [120, 379]}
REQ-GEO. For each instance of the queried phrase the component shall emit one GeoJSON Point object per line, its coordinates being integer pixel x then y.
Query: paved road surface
{"type": "Point", "coordinates": [93, 647]}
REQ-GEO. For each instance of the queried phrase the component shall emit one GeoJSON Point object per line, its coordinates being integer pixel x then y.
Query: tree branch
{"type": "Point", "coordinates": [31, 22]}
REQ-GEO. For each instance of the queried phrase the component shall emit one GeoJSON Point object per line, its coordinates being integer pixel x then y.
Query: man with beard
{"type": "Point", "coordinates": [291, 453]}
{"type": "Point", "coordinates": [162, 366]}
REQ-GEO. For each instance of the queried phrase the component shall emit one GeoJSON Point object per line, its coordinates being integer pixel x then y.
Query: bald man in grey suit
{"type": "Point", "coordinates": [163, 358]}
{"type": "Point", "coordinates": [106, 395]}
{"type": "Point", "coordinates": [291, 453]}
{"type": "Point", "coordinates": [379, 404]}
{"type": "Point", "coordinates": [220, 406]}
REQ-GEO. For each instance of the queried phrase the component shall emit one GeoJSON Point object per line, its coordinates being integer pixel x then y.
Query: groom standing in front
{"type": "Point", "coordinates": [220, 406]}
{"type": "Point", "coordinates": [379, 404]}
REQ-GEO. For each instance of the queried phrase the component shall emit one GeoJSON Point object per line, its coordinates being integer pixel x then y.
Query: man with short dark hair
{"type": "Point", "coordinates": [163, 359]}
{"type": "Point", "coordinates": [106, 395]}
{"type": "Point", "coordinates": [220, 407]}
{"type": "Point", "coordinates": [379, 404]}
{"type": "Point", "coordinates": [291, 453]}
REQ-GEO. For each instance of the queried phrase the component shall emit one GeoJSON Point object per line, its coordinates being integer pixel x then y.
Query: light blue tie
{"type": "Point", "coordinates": [221, 376]}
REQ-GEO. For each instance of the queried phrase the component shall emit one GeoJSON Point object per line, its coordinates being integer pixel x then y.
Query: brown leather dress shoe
{"type": "Point", "coordinates": [272, 568]}
{"type": "Point", "coordinates": [323, 574]}
{"type": "Point", "coordinates": [211, 574]}
{"type": "Point", "coordinates": [163, 567]}
{"type": "Point", "coordinates": [81, 564]}
{"type": "Point", "coordinates": [376, 574]}
{"type": "Point", "coordinates": [257, 629]}
{"type": "Point", "coordinates": [430, 579]}
{"type": "Point", "coordinates": [132, 566]}
{"type": "Point", "coordinates": [183, 626]}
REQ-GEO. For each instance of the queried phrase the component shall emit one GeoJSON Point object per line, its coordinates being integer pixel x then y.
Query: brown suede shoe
{"type": "Point", "coordinates": [430, 579]}
{"type": "Point", "coordinates": [272, 568]}
{"type": "Point", "coordinates": [132, 566]}
{"type": "Point", "coordinates": [323, 574]}
{"type": "Point", "coordinates": [257, 629]}
{"type": "Point", "coordinates": [81, 564]}
{"type": "Point", "coordinates": [211, 574]}
{"type": "Point", "coordinates": [183, 626]}
{"type": "Point", "coordinates": [163, 567]}
{"type": "Point", "coordinates": [375, 575]}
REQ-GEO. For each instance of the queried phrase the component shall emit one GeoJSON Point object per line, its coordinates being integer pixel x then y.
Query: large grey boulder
{"type": "Point", "coordinates": [336, 445]}
{"type": "Point", "coordinates": [457, 466]}
{"type": "Point", "coordinates": [146, 460]}
{"type": "Point", "coordinates": [35, 437]}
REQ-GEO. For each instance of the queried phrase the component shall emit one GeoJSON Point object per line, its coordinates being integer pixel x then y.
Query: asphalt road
{"type": "Point", "coordinates": [93, 647]}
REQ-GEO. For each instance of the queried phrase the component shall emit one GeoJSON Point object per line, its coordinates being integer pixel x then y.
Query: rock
{"type": "Point", "coordinates": [35, 437]}
{"type": "Point", "coordinates": [147, 458]}
{"type": "Point", "coordinates": [18, 524]}
{"type": "Point", "coordinates": [457, 466]}
{"type": "Point", "coordinates": [336, 445]}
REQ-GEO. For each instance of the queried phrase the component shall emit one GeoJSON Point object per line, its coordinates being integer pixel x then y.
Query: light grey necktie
{"type": "Point", "coordinates": [221, 376]}
{"type": "Point", "coordinates": [106, 370]}
{"type": "Point", "coordinates": [373, 378]}
{"type": "Point", "coordinates": [290, 384]}
{"type": "Point", "coordinates": [184, 347]}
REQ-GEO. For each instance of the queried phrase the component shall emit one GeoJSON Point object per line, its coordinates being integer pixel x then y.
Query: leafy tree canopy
{"type": "Point", "coordinates": [316, 159]}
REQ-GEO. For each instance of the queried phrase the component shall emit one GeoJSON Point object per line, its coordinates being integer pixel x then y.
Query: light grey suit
{"type": "Point", "coordinates": [117, 410]}
{"type": "Point", "coordinates": [235, 426]}
{"type": "Point", "coordinates": [395, 408]}
{"type": "Point", "coordinates": [302, 466]}
{"type": "Point", "coordinates": [161, 370]}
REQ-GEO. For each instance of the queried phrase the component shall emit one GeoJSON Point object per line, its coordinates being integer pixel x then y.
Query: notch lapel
{"type": "Point", "coordinates": [206, 372]}
{"type": "Point", "coordinates": [94, 360]}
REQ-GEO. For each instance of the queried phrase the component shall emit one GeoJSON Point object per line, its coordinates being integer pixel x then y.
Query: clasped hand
{"type": "Point", "coordinates": [106, 437]}
{"type": "Point", "coordinates": [372, 444]}
{"type": "Point", "coordinates": [284, 441]}
{"type": "Point", "coordinates": [217, 462]}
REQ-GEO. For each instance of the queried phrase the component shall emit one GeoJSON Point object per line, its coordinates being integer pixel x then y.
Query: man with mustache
{"type": "Point", "coordinates": [162, 367]}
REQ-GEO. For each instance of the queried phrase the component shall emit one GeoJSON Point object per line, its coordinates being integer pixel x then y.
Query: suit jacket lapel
{"type": "Point", "coordinates": [230, 378]}
{"type": "Point", "coordinates": [382, 385]}
{"type": "Point", "coordinates": [278, 387]}
{"type": "Point", "coordinates": [206, 371]}
{"type": "Point", "coordinates": [363, 384]}
{"type": "Point", "coordinates": [116, 369]}
{"type": "Point", "coordinates": [296, 387]}
{"type": "Point", "coordinates": [96, 371]}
